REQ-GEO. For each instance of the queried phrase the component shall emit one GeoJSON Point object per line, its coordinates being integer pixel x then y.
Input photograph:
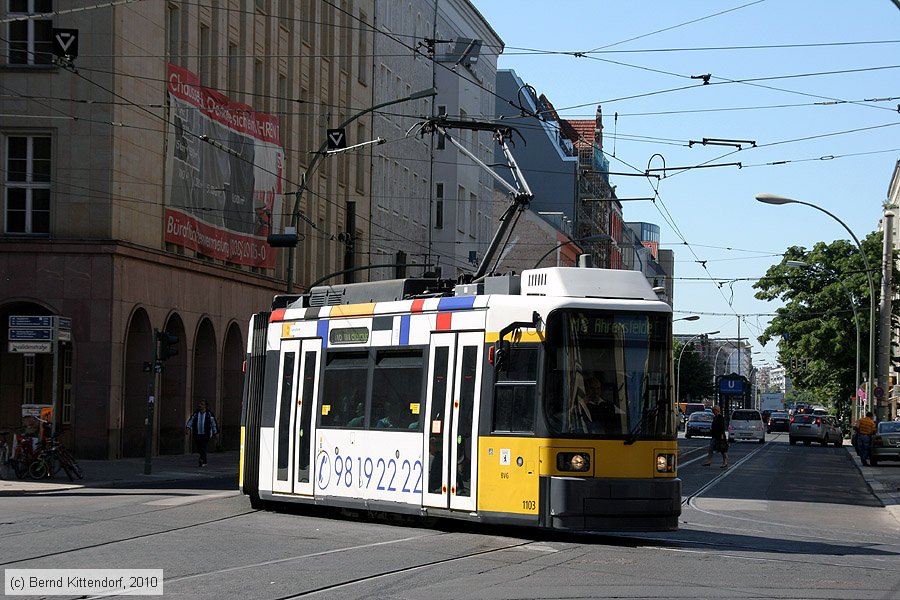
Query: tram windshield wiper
{"type": "Point", "coordinates": [635, 433]}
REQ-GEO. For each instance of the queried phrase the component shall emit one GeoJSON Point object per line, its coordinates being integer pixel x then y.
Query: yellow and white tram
{"type": "Point", "coordinates": [471, 402]}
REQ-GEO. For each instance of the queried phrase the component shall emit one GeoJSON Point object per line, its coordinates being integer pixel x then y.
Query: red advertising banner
{"type": "Point", "coordinates": [184, 230]}
{"type": "Point", "coordinates": [224, 168]}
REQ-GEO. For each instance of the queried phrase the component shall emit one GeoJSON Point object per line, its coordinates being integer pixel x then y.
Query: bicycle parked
{"type": "Point", "coordinates": [23, 453]}
{"type": "Point", "coordinates": [52, 457]}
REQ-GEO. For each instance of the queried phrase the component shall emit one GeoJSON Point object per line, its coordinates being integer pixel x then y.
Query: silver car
{"type": "Point", "coordinates": [823, 429]}
{"type": "Point", "coordinates": [746, 424]}
{"type": "Point", "coordinates": [886, 443]}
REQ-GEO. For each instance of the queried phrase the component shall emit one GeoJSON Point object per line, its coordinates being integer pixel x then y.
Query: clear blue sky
{"type": "Point", "coordinates": [797, 75]}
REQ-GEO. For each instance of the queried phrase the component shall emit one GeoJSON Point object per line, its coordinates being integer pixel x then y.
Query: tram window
{"type": "Point", "coordinates": [344, 390]}
{"type": "Point", "coordinates": [520, 366]}
{"type": "Point", "coordinates": [397, 390]}
{"type": "Point", "coordinates": [514, 408]}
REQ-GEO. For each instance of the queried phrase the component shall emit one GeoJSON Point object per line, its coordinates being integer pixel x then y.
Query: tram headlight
{"type": "Point", "coordinates": [578, 462]}
{"type": "Point", "coordinates": [665, 463]}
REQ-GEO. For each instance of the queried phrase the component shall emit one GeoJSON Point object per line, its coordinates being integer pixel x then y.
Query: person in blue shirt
{"type": "Point", "coordinates": [203, 427]}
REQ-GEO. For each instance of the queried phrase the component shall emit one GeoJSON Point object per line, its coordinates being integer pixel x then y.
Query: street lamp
{"type": "Point", "coordinates": [800, 263]}
{"type": "Point", "coordinates": [779, 200]}
{"type": "Point", "coordinates": [590, 238]}
{"type": "Point", "coordinates": [678, 368]}
{"type": "Point", "coordinates": [314, 163]}
{"type": "Point", "coordinates": [716, 361]}
{"type": "Point", "coordinates": [690, 318]}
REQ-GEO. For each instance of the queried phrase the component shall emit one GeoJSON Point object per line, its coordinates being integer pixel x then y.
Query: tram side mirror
{"type": "Point", "coordinates": [501, 354]}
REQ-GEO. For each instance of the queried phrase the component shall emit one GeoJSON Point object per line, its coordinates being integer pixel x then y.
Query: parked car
{"type": "Point", "coordinates": [746, 424]}
{"type": "Point", "coordinates": [886, 443]}
{"type": "Point", "coordinates": [809, 428]}
{"type": "Point", "coordinates": [778, 421]}
{"type": "Point", "coordinates": [689, 408]}
{"type": "Point", "coordinates": [699, 423]}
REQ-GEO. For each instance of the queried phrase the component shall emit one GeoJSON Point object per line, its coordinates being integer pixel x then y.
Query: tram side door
{"type": "Point", "coordinates": [304, 433]}
{"type": "Point", "coordinates": [297, 388]}
{"type": "Point", "coordinates": [451, 444]}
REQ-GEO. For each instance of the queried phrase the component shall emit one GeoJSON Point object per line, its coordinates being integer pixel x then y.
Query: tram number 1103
{"type": "Point", "coordinates": [529, 505]}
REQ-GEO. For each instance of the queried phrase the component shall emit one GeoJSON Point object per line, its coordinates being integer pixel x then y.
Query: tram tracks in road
{"type": "Point", "coordinates": [126, 539]}
{"type": "Point", "coordinates": [331, 588]}
{"type": "Point", "coordinates": [800, 530]}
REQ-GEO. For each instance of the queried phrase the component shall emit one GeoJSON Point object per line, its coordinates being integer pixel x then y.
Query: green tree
{"type": "Point", "coordinates": [815, 328]}
{"type": "Point", "coordinates": [694, 374]}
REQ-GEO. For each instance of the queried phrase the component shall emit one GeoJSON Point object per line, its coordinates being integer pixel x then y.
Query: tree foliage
{"type": "Point", "coordinates": [815, 329]}
{"type": "Point", "coordinates": [695, 375]}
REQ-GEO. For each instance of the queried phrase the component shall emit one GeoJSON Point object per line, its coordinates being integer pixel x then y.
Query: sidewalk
{"type": "Point", "coordinates": [124, 472]}
{"type": "Point", "coordinates": [883, 480]}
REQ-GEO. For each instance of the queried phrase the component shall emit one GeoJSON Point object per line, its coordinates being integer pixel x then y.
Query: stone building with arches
{"type": "Point", "coordinates": [140, 179]}
{"type": "Point", "coordinates": [116, 295]}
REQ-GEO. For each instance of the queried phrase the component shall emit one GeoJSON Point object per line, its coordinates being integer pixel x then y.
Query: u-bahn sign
{"type": "Point", "coordinates": [731, 386]}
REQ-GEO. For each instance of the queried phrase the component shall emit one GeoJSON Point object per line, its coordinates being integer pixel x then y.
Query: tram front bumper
{"type": "Point", "coordinates": [588, 504]}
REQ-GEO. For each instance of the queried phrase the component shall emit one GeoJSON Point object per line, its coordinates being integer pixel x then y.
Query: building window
{"type": "Point", "coordinates": [439, 206]}
{"type": "Point", "coordinates": [361, 155]}
{"type": "Point", "coordinates": [67, 386]}
{"type": "Point", "coordinates": [27, 185]}
{"type": "Point", "coordinates": [205, 56]}
{"type": "Point", "coordinates": [362, 54]}
{"type": "Point", "coordinates": [30, 39]}
{"type": "Point", "coordinates": [441, 141]}
{"type": "Point", "coordinates": [233, 69]}
{"type": "Point", "coordinates": [259, 84]}
{"type": "Point", "coordinates": [461, 209]}
{"type": "Point", "coordinates": [473, 221]}
{"type": "Point", "coordinates": [173, 30]}
{"type": "Point", "coordinates": [308, 22]}
{"type": "Point", "coordinates": [285, 18]}
{"type": "Point", "coordinates": [28, 380]}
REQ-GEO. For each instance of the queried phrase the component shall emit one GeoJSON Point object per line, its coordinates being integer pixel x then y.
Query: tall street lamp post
{"type": "Point", "coordinates": [779, 200]}
{"type": "Point", "coordinates": [678, 368]}
{"type": "Point", "coordinates": [314, 163]}
{"type": "Point", "coordinates": [800, 263]}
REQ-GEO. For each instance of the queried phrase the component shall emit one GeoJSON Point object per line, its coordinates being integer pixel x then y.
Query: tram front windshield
{"type": "Point", "coordinates": [607, 375]}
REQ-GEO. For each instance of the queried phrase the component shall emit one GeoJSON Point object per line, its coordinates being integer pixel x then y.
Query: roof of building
{"type": "Point", "coordinates": [580, 131]}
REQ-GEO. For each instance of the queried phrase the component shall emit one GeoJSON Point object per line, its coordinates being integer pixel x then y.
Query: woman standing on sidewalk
{"type": "Point", "coordinates": [719, 440]}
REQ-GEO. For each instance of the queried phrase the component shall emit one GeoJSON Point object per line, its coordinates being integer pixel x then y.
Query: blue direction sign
{"type": "Point", "coordinates": [30, 334]}
{"type": "Point", "coordinates": [731, 386]}
{"type": "Point", "coordinates": [20, 321]}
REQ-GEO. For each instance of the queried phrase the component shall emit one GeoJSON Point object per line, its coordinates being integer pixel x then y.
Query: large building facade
{"type": "Point", "coordinates": [139, 185]}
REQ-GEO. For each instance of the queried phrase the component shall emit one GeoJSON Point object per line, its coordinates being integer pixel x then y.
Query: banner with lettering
{"type": "Point", "coordinates": [224, 166]}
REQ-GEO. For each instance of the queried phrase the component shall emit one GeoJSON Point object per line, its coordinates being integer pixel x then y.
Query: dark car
{"type": "Point", "coordinates": [699, 423]}
{"type": "Point", "coordinates": [886, 443]}
{"type": "Point", "coordinates": [778, 421]}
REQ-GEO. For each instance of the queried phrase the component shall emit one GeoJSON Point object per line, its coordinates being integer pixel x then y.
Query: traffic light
{"type": "Point", "coordinates": [167, 343]}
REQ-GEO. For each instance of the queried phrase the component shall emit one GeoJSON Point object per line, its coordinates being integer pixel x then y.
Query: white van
{"type": "Point", "coordinates": [746, 424]}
